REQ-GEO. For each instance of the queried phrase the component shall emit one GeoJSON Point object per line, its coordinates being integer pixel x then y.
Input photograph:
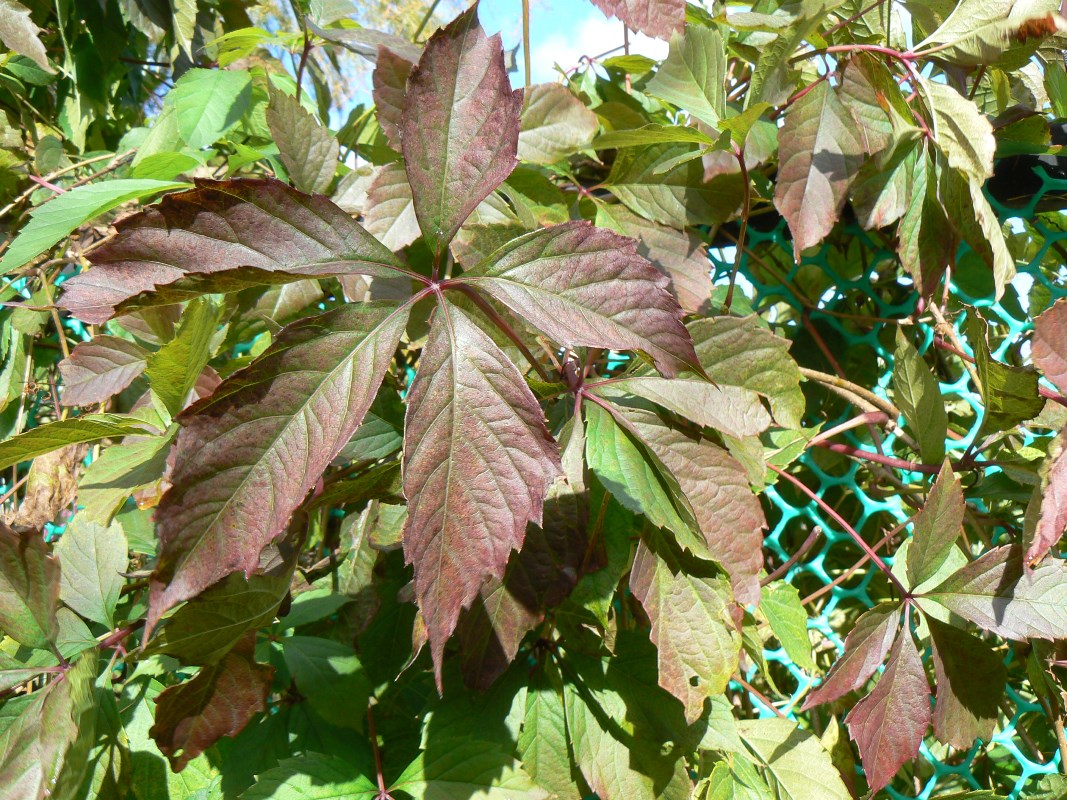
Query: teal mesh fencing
{"type": "Point", "coordinates": [841, 308]}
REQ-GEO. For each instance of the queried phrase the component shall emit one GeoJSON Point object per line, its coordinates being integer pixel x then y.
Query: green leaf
{"type": "Point", "coordinates": [694, 75]}
{"type": "Point", "coordinates": [118, 472]}
{"type": "Point", "coordinates": [208, 102]}
{"type": "Point", "coordinates": [735, 779]}
{"type": "Point", "coordinates": [793, 760]}
{"type": "Point", "coordinates": [389, 213]}
{"type": "Point", "coordinates": [543, 745]}
{"type": "Point", "coordinates": [677, 197]}
{"type": "Point", "coordinates": [461, 143]}
{"type": "Point", "coordinates": [731, 409]}
{"type": "Point", "coordinates": [961, 132]}
{"type": "Point", "coordinates": [312, 776]}
{"type": "Point", "coordinates": [554, 123]}
{"type": "Point", "coordinates": [996, 594]}
{"type": "Point", "coordinates": [92, 559]}
{"type": "Point", "coordinates": [307, 149]}
{"type": "Point", "coordinates": [18, 33]}
{"type": "Point", "coordinates": [695, 636]}
{"type": "Point", "coordinates": [970, 683]}
{"type": "Point", "coordinates": [29, 588]}
{"type": "Point", "coordinates": [652, 134]}
{"type": "Point", "coordinates": [75, 430]}
{"type": "Point", "coordinates": [993, 32]}
{"type": "Point", "coordinates": [820, 154]}
{"type": "Point", "coordinates": [1010, 394]}
{"type": "Point", "coordinates": [780, 602]}
{"type": "Point", "coordinates": [918, 395]}
{"type": "Point", "coordinates": [937, 527]}
{"type": "Point", "coordinates": [329, 675]}
{"type": "Point", "coordinates": [454, 769]}
{"type": "Point", "coordinates": [173, 369]}
{"type": "Point", "coordinates": [53, 220]}
{"type": "Point", "coordinates": [739, 351]}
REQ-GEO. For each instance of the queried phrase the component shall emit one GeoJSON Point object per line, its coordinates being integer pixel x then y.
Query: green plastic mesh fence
{"type": "Point", "coordinates": [845, 310]}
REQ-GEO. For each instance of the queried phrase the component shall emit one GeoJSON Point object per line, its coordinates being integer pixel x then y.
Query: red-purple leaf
{"type": "Point", "coordinates": [390, 79]}
{"type": "Point", "coordinates": [461, 133]}
{"type": "Point", "coordinates": [1053, 517]}
{"type": "Point", "coordinates": [937, 527]}
{"type": "Point", "coordinates": [540, 576]}
{"type": "Point", "coordinates": [478, 463]}
{"type": "Point", "coordinates": [29, 588]}
{"type": "Point", "coordinates": [221, 225]}
{"type": "Point", "coordinates": [970, 682]}
{"type": "Point", "coordinates": [819, 155]}
{"type": "Point", "coordinates": [389, 213]}
{"type": "Point", "coordinates": [1050, 344]}
{"type": "Point", "coordinates": [99, 369]}
{"type": "Point", "coordinates": [695, 637]}
{"type": "Point", "coordinates": [866, 647]}
{"type": "Point", "coordinates": [247, 455]}
{"type": "Point", "coordinates": [888, 725]}
{"type": "Point", "coordinates": [219, 701]}
{"type": "Point", "coordinates": [659, 18]}
{"type": "Point", "coordinates": [587, 287]}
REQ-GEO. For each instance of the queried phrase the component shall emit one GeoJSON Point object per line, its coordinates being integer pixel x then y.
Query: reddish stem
{"type": "Point", "coordinates": [859, 540]}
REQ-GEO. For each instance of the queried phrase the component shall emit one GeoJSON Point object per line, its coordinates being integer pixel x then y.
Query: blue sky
{"type": "Point", "coordinates": [561, 31]}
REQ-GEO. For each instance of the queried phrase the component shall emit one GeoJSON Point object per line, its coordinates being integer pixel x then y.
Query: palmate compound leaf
{"type": "Point", "coordinates": [996, 594]}
{"type": "Point", "coordinates": [888, 725]}
{"type": "Point", "coordinates": [219, 226]}
{"type": "Point", "coordinates": [697, 642]}
{"type": "Point", "coordinates": [820, 154]}
{"type": "Point", "coordinates": [866, 647]}
{"type": "Point", "coordinates": [659, 18]}
{"type": "Point", "coordinates": [587, 287]}
{"type": "Point", "coordinates": [478, 463]}
{"type": "Point", "coordinates": [247, 455]}
{"type": "Point", "coordinates": [462, 141]}
{"type": "Point", "coordinates": [219, 701]}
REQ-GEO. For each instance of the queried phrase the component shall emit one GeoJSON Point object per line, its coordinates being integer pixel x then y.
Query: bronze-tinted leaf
{"type": "Point", "coordinates": [1050, 344]}
{"type": "Point", "coordinates": [222, 225]}
{"type": "Point", "coordinates": [1053, 518]}
{"type": "Point", "coordinates": [247, 455]}
{"type": "Point", "coordinates": [888, 725]}
{"type": "Point", "coordinates": [461, 139]}
{"type": "Point", "coordinates": [307, 148]}
{"type": "Point", "coordinates": [587, 287]}
{"type": "Point", "coordinates": [819, 155]}
{"type": "Point", "coordinates": [29, 588]}
{"type": "Point", "coordinates": [659, 18]}
{"type": "Point", "coordinates": [478, 463]}
{"type": "Point", "coordinates": [389, 212]}
{"type": "Point", "coordinates": [695, 637]}
{"type": "Point", "coordinates": [866, 647]}
{"type": "Point", "coordinates": [219, 701]}
{"type": "Point", "coordinates": [937, 527]}
{"type": "Point", "coordinates": [100, 368]}
{"type": "Point", "coordinates": [390, 78]}
{"type": "Point", "coordinates": [970, 682]}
